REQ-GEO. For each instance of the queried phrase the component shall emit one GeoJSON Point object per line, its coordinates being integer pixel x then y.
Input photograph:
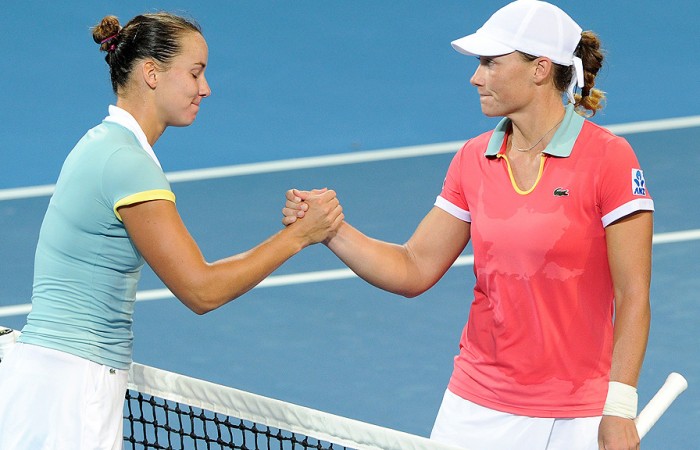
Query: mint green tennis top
{"type": "Point", "coordinates": [86, 267]}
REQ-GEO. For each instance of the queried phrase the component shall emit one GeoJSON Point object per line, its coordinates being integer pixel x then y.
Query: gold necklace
{"type": "Point", "coordinates": [540, 140]}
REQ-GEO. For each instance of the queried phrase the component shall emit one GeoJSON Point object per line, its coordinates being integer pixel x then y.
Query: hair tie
{"type": "Point", "coordinates": [576, 78]}
{"type": "Point", "coordinates": [109, 38]}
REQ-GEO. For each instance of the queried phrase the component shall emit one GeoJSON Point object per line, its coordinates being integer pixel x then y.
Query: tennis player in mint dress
{"type": "Point", "coordinates": [62, 386]}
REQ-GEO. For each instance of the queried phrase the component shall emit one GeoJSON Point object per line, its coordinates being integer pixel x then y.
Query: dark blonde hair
{"type": "Point", "coordinates": [590, 98]}
{"type": "Point", "coordinates": [154, 36]}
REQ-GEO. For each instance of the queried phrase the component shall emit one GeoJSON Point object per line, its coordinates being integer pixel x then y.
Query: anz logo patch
{"type": "Point", "coordinates": [639, 186]}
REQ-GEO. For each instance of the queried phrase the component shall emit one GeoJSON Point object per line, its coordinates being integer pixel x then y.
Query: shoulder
{"type": "Point", "coordinates": [102, 141]}
{"type": "Point", "coordinates": [109, 133]}
{"type": "Point", "coordinates": [477, 145]}
{"type": "Point", "coordinates": [594, 133]}
{"type": "Point", "coordinates": [119, 161]}
{"type": "Point", "coordinates": [481, 140]}
{"type": "Point", "coordinates": [597, 142]}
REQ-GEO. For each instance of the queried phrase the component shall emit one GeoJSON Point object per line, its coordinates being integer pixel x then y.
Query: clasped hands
{"type": "Point", "coordinates": [320, 210]}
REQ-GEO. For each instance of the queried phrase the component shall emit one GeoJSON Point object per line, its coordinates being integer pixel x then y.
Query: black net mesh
{"type": "Point", "coordinates": [154, 423]}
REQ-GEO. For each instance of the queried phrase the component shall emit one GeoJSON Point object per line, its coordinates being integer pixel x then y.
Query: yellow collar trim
{"type": "Point", "coordinates": [543, 157]}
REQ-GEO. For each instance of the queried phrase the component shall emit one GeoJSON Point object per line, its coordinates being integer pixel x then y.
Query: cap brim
{"type": "Point", "coordinates": [479, 45]}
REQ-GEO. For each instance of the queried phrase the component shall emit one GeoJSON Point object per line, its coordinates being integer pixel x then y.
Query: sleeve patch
{"type": "Point", "coordinates": [639, 186]}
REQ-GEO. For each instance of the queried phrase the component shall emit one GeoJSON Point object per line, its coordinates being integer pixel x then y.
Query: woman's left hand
{"type": "Point", "coordinates": [617, 433]}
{"type": "Point", "coordinates": [295, 206]}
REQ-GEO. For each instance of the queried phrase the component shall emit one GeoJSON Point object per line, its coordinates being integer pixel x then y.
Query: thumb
{"type": "Point", "coordinates": [301, 195]}
{"type": "Point", "coordinates": [304, 195]}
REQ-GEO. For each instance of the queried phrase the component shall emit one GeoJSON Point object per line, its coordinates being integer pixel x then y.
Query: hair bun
{"type": "Point", "coordinates": [105, 32]}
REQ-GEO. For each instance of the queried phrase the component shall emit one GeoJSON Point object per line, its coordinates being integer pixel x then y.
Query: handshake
{"type": "Point", "coordinates": [316, 214]}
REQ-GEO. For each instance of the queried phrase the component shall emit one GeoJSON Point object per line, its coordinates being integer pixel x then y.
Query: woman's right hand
{"type": "Point", "coordinates": [316, 214]}
{"type": "Point", "coordinates": [295, 207]}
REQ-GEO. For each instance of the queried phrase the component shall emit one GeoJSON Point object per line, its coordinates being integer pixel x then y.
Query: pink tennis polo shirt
{"type": "Point", "coordinates": [538, 341]}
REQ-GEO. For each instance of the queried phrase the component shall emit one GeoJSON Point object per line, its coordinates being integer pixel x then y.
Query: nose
{"type": "Point", "coordinates": [476, 79]}
{"type": "Point", "coordinates": [204, 89]}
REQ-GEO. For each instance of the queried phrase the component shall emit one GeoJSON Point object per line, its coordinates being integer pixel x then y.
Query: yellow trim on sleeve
{"type": "Point", "coordinates": [512, 178]}
{"type": "Point", "coordinates": [145, 196]}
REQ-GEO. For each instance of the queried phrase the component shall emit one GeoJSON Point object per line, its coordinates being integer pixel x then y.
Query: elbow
{"type": "Point", "coordinates": [412, 291]}
{"type": "Point", "coordinates": [200, 310]}
{"type": "Point", "coordinates": [414, 286]}
{"type": "Point", "coordinates": [410, 294]}
{"type": "Point", "coordinates": [409, 288]}
{"type": "Point", "coordinates": [196, 305]}
{"type": "Point", "coordinates": [203, 302]}
{"type": "Point", "coordinates": [203, 289]}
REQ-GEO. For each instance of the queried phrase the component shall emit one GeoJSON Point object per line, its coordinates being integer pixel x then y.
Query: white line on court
{"type": "Point", "coordinates": [348, 158]}
{"type": "Point", "coordinates": [331, 275]}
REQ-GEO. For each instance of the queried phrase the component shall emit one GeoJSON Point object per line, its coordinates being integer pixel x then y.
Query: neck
{"type": "Point", "coordinates": [145, 116]}
{"type": "Point", "coordinates": [533, 131]}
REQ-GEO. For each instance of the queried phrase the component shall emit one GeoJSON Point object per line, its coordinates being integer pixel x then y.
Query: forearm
{"type": "Point", "coordinates": [212, 285]}
{"type": "Point", "coordinates": [385, 265]}
{"type": "Point", "coordinates": [630, 336]}
{"type": "Point", "coordinates": [632, 318]}
{"type": "Point", "coordinates": [158, 233]}
{"type": "Point", "coordinates": [629, 253]}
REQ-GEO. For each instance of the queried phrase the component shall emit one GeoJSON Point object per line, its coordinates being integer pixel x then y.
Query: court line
{"type": "Point", "coordinates": [348, 158]}
{"type": "Point", "coordinates": [333, 275]}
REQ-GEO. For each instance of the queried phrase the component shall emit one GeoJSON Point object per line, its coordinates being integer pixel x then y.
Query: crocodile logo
{"type": "Point", "coordinates": [561, 192]}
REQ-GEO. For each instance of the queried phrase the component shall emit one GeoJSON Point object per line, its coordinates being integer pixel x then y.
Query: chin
{"type": "Point", "coordinates": [493, 112]}
{"type": "Point", "coordinates": [184, 122]}
{"type": "Point", "coordinates": [489, 112]}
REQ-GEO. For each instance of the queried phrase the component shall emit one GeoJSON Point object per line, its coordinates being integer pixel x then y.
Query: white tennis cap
{"type": "Point", "coordinates": [530, 26]}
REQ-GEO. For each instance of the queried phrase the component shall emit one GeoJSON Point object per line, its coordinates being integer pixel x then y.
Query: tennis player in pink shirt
{"type": "Point", "coordinates": [560, 220]}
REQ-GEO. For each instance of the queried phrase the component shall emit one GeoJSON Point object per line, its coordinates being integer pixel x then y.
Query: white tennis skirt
{"type": "Point", "coordinates": [465, 424]}
{"type": "Point", "coordinates": [51, 400]}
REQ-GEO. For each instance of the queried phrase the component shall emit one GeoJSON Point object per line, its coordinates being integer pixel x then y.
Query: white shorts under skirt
{"type": "Point", "coordinates": [51, 400]}
{"type": "Point", "coordinates": [467, 425]}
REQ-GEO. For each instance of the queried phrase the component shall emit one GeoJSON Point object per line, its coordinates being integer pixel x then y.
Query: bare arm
{"type": "Point", "coordinates": [161, 237]}
{"type": "Point", "coordinates": [409, 269]}
{"type": "Point", "coordinates": [629, 255]}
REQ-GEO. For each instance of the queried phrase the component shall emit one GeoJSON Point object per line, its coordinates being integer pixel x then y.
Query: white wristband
{"type": "Point", "coordinates": [621, 401]}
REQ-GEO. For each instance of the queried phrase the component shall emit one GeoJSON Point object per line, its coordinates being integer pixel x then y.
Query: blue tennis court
{"type": "Point", "coordinates": [314, 79]}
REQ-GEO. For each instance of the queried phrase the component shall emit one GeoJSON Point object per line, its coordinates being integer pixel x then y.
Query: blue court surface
{"type": "Point", "coordinates": [307, 94]}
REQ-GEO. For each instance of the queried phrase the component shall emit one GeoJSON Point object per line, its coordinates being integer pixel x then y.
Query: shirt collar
{"type": "Point", "coordinates": [561, 144]}
{"type": "Point", "coordinates": [122, 117]}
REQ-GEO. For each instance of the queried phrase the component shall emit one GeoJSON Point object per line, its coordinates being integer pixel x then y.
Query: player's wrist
{"type": "Point", "coordinates": [621, 400]}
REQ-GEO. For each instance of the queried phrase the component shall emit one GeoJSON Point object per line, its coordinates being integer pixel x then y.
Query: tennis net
{"type": "Point", "coordinates": [166, 410]}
